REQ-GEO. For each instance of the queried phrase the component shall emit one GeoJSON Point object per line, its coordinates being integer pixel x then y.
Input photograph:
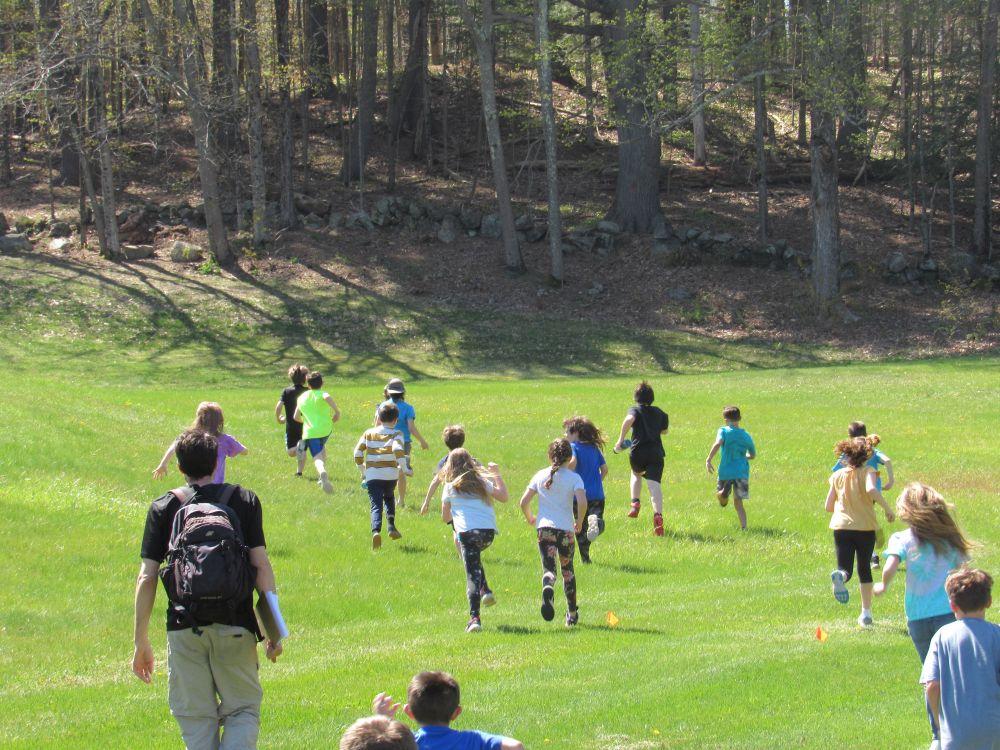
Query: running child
{"type": "Point", "coordinates": [932, 547]}
{"type": "Point", "coordinates": [734, 466]}
{"type": "Point", "coordinates": [467, 503]}
{"type": "Point", "coordinates": [284, 412]}
{"type": "Point", "coordinates": [648, 424]}
{"type": "Point", "coordinates": [878, 459]}
{"type": "Point", "coordinates": [557, 488]}
{"type": "Point", "coordinates": [317, 411]}
{"type": "Point", "coordinates": [379, 455]}
{"type": "Point", "coordinates": [395, 393]}
{"type": "Point", "coordinates": [208, 418]}
{"type": "Point", "coordinates": [588, 461]}
{"type": "Point", "coordinates": [454, 437]}
{"type": "Point", "coordinates": [851, 500]}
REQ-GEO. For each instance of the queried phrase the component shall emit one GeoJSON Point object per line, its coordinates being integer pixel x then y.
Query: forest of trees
{"type": "Point", "coordinates": [900, 90]}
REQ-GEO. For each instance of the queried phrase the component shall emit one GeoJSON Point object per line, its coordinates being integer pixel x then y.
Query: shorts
{"type": "Point", "coordinates": [647, 462]}
{"type": "Point", "coordinates": [293, 434]}
{"type": "Point", "coordinates": [739, 487]}
{"type": "Point", "coordinates": [316, 445]}
{"type": "Point", "coordinates": [407, 447]}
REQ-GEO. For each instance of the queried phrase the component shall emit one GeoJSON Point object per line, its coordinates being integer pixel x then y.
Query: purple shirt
{"type": "Point", "coordinates": [228, 446]}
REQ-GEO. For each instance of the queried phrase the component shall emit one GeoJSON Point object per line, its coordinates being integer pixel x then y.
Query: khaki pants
{"type": "Point", "coordinates": [214, 685]}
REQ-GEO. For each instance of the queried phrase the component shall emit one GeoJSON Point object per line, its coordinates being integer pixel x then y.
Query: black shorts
{"type": "Point", "coordinates": [647, 462]}
{"type": "Point", "coordinates": [293, 434]}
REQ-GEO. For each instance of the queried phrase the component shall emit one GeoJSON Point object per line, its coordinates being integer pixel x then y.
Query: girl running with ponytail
{"type": "Point", "coordinates": [558, 489]}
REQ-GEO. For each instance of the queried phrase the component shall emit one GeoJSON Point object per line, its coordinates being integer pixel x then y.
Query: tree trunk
{"type": "Point", "coordinates": [482, 36]}
{"type": "Point", "coordinates": [412, 90]}
{"type": "Point", "coordinates": [906, 63]}
{"type": "Point", "coordinates": [286, 148]}
{"type": "Point", "coordinates": [255, 130]}
{"type": "Point", "coordinates": [364, 122]}
{"type": "Point", "coordinates": [317, 44]}
{"type": "Point", "coordinates": [982, 223]}
{"type": "Point", "coordinates": [549, 130]}
{"type": "Point", "coordinates": [760, 123]}
{"type": "Point", "coordinates": [636, 207]}
{"type": "Point", "coordinates": [697, 86]}
{"type": "Point", "coordinates": [390, 70]}
{"type": "Point", "coordinates": [108, 204]}
{"type": "Point", "coordinates": [854, 122]}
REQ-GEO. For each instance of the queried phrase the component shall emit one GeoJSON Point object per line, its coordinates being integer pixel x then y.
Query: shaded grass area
{"type": "Point", "coordinates": [715, 647]}
{"type": "Point", "coordinates": [167, 320]}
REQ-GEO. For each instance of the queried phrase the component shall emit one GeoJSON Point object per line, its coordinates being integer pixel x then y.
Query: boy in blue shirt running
{"type": "Point", "coordinates": [395, 393]}
{"type": "Point", "coordinates": [734, 467]}
{"type": "Point", "coordinates": [432, 700]}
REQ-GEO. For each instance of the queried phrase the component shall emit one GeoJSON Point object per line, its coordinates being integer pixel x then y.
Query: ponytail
{"type": "Point", "coordinates": [560, 451]}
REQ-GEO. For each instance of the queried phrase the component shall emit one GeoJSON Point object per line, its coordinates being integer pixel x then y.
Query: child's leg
{"type": "Point", "coordinates": [564, 544]}
{"type": "Point", "coordinates": [389, 498]}
{"type": "Point", "coordinates": [473, 543]}
{"type": "Point", "coordinates": [845, 552]}
{"type": "Point", "coordinates": [401, 488]}
{"type": "Point", "coordinates": [375, 497]}
{"type": "Point", "coordinates": [581, 538]}
{"type": "Point", "coordinates": [740, 512]}
{"type": "Point", "coordinates": [636, 486]}
{"type": "Point", "coordinates": [865, 546]}
{"type": "Point", "coordinates": [655, 495]}
{"type": "Point", "coordinates": [548, 549]}
{"type": "Point", "coordinates": [300, 456]}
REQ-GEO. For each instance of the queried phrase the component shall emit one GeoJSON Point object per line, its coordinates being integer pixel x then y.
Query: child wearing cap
{"type": "Point", "coordinates": [395, 393]}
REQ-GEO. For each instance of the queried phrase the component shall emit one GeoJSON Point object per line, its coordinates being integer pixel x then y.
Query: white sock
{"type": "Point", "coordinates": [866, 612]}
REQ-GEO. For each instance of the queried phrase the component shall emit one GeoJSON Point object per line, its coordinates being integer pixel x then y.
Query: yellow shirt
{"type": "Point", "coordinates": [855, 508]}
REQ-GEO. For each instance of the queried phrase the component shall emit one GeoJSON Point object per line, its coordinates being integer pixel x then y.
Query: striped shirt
{"type": "Point", "coordinates": [380, 451]}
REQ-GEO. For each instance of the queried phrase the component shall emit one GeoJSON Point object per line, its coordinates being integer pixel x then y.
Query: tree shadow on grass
{"type": "Point", "coordinates": [696, 537]}
{"type": "Point", "coordinates": [413, 549]}
{"type": "Point", "coordinates": [768, 532]}
{"type": "Point", "coordinates": [644, 570]}
{"type": "Point", "coordinates": [620, 629]}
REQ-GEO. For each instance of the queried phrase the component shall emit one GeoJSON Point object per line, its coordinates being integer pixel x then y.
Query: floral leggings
{"type": "Point", "coordinates": [473, 542]}
{"type": "Point", "coordinates": [554, 543]}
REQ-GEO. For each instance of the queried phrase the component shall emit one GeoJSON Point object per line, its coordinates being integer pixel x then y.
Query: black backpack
{"type": "Point", "coordinates": [207, 571]}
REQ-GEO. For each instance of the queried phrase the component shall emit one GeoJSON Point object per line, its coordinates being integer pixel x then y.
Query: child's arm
{"type": "Point", "coordinates": [359, 453]}
{"type": "Point", "coordinates": [752, 450]}
{"type": "Point", "coordinates": [831, 499]}
{"type": "Point", "coordinates": [383, 705]}
{"type": "Point", "coordinates": [446, 511]}
{"type": "Point", "coordinates": [626, 426]}
{"type": "Point", "coordinates": [277, 412]}
{"type": "Point", "coordinates": [889, 478]}
{"type": "Point", "coordinates": [500, 493]}
{"type": "Point", "coordinates": [711, 454]}
{"type": "Point", "coordinates": [604, 471]}
{"type": "Point", "coordinates": [888, 573]}
{"type": "Point", "coordinates": [297, 416]}
{"type": "Point", "coordinates": [509, 743]}
{"type": "Point", "coordinates": [161, 470]}
{"type": "Point", "coordinates": [526, 505]}
{"type": "Point", "coordinates": [333, 405]}
{"type": "Point", "coordinates": [933, 691]}
{"type": "Point", "coordinates": [431, 489]}
{"type": "Point", "coordinates": [581, 510]}
{"type": "Point", "coordinates": [571, 464]}
{"type": "Point", "coordinates": [873, 493]}
{"type": "Point", "coordinates": [416, 433]}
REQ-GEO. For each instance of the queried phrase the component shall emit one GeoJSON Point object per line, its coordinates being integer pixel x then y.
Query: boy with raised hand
{"type": "Point", "coordinates": [962, 670]}
{"type": "Point", "coordinates": [380, 456]}
{"type": "Point", "coordinates": [734, 466]}
{"type": "Point", "coordinates": [317, 411]}
{"type": "Point", "coordinates": [432, 700]}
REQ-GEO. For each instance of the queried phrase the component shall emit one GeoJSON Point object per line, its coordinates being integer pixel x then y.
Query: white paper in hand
{"type": "Point", "coordinates": [269, 613]}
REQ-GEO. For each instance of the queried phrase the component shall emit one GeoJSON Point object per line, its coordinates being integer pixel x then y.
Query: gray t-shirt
{"type": "Point", "coordinates": [555, 503]}
{"type": "Point", "coordinates": [965, 658]}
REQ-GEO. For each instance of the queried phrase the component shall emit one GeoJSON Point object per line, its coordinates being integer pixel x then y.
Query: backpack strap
{"type": "Point", "coordinates": [227, 494]}
{"type": "Point", "coordinates": [184, 494]}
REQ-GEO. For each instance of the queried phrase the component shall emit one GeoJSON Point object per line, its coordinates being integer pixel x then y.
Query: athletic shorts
{"type": "Point", "coordinates": [293, 434]}
{"type": "Point", "coordinates": [316, 445]}
{"type": "Point", "coordinates": [647, 462]}
{"type": "Point", "coordinates": [739, 487]}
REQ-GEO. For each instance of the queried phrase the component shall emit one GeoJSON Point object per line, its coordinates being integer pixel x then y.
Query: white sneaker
{"type": "Point", "coordinates": [865, 621]}
{"type": "Point", "coordinates": [593, 527]}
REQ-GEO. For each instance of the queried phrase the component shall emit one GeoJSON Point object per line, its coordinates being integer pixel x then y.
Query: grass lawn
{"type": "Point", "coordinates": [716, 644]}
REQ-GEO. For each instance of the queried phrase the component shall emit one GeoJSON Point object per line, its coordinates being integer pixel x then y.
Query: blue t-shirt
{"type": "Point", "coordinates": [446, 738]}
{"type": "Point", "coordinates": [406, 413]}
{"type": "Point", "coordinates": [736, 443]}
{"type": "Point", "coordinates": [926, 571]}
{"type": "Point", "coordinates": [876, 461]}
{"type": "Point", "coordinates": [589, 461]}
{"type": "Point", "coordinates": [965, 658]}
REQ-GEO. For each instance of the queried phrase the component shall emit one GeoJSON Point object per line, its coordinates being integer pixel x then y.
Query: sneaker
{"type": "Point", "coordinates": [634, 512]}
{"type": "Point", "coordinates": [376, 540]}
{"type": "Point", "coordinates": [324, 480]}
{"type": "Point", "coordinates": [572, 618]}
{"type": "Point", "coordinates": [488, 598]}
{"type": "Point", "coordinates": [584, 556]}
{"type": "Point", "coordinates": [876, 561]}
{"type": "Point", "coordinates": [394, 534]}
{"type": "Point", "coordinates": [658, 524]}
{"type": "Point", "coordinates": [548, 611]}
{"type": "Point", "coordinates": [364, 484]}
{"type": "Point", "coordinates": [474, 625]}
{"type": "Point", "coordinates": [723, 498]}
{"type": "Point", "coordinates": [840, 592]}
{"type": "Point", "coordinates": [298, 473]}
{"type": "Point", "coordinates": [593, 527]}
{"type": "Point", "coordinates": [865, 621]}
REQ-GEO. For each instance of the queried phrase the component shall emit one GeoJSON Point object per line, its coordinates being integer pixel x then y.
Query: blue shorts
{"type": "Point", "coordinates": [316, 445]}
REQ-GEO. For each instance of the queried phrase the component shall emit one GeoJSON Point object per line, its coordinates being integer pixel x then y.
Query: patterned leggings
{"type": "Point", "coordinates": [473, 542]}
{"type": "Point", "coordinates": [553, 543]}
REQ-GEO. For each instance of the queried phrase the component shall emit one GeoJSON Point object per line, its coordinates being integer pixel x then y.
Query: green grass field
{"type": "Point", "coordinates": [716, 644]}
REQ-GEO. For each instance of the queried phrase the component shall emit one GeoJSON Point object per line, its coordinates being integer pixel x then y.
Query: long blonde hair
{"type": "Point", "coordinates": [927, 514]}
{"type": "Point", "coordinates": [208, 418]}
{"type": "Point", "coordinates": [466, 477]}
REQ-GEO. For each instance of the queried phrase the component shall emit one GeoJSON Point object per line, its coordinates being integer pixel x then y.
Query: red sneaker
{"type": "Point", "coordinates": [657, 524]}
{"type": "Point", "coordinates": [634, 512]}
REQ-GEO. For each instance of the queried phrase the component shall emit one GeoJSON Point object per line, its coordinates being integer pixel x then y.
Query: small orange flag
{"type": "Point", "coordinates": [612, 619]}
{"type": "Point", "coordinates": [821, 635]}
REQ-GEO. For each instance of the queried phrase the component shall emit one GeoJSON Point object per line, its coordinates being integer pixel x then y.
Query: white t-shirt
{"type": "Point", "coordinates": [555, 504]}
{"type": "Point", "coordinates": [470, 511]}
